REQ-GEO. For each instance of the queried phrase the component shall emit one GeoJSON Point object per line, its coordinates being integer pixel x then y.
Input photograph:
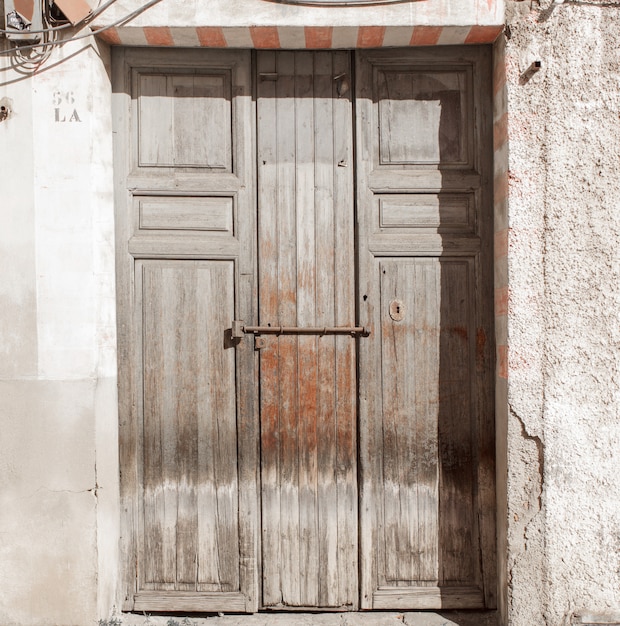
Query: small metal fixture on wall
{"type": "Point", "coordinates": [24, 20]}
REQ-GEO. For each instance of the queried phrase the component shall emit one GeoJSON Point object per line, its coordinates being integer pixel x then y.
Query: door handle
{"type": "Point", "coordinates": [239, 329]}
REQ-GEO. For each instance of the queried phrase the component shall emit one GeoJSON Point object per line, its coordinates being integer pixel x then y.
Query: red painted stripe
{"type": "Point", "coordinates": [501, 301]}
{"type": "Point", "coordinates": [425, 35]}
{"type": "Point", "coordinates": [211, 36]}
{"type": "Point", "coordinates": [111, 36]}
{"type": "Point", "coordinates": [502, 361]}
{"type": "Point", "coordinates": [501, 188]}
{"type": "Point", "coordinates": [370, 36]}
{"type": "Point", "coordinates": [265, 36]}
{"type": "Point", "coordinates": [158, 36]}
{"type": "Point", "coordinates": [483, 34]}
{"type": "Point", "coordinates": [501, 244]}
{"type": "Point", "coordinates": [318, 37]}
{"type": "Point", "coordinates": [499, 73]}
{"type": "Point", "coordinates": [500, 132]}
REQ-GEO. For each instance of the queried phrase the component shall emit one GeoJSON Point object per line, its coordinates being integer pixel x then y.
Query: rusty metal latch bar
{"type": "Point", "coordinates": [239, 329]}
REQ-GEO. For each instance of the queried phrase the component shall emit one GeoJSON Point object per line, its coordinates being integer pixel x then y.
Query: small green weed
{"type": "Point", "coordinates": [113, 621]}
{"type": "Point", "coordinates": [185, 622]}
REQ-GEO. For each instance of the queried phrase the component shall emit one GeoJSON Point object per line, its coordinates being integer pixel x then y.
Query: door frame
{"type": "Point", "coordinates": [122, 59]}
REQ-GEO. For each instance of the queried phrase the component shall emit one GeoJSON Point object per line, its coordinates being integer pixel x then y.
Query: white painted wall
{"type": "Point", "coordinates": [58, 416]}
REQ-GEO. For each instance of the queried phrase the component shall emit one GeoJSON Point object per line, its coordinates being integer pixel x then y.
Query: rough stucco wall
{"type": "Point", "coordinates": [58, 474]}
{"type": "Point", "coordinates": [564, 317]}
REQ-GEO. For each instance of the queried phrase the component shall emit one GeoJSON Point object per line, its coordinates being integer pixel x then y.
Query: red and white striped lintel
{"type": "Point", "coordinates": [300, 37]}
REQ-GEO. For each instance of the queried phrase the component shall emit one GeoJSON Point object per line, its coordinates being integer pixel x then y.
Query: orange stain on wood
{"type": "Point", "coordinates": [318, 38]}
{"type": "Point", "coordinates": [158, 36]}
{"type": "Point", "coordinates": [370, 36]}
{"type": "Point", "coordinates": [265, 37]}
{"type": "Point", "coordinates": [460, 331]}
{"type": "Point", "coordinates": [211, 37]}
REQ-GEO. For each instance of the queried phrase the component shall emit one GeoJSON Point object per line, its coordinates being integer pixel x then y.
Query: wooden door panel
{"type": "Point", "coordinates": [186, 257]}
{"type": "Point", "coordinates": [425, 268]}
{"type": "Point", "coordinates": [423, 116]}
{"type": "Point", "coordinates": [177, 112]}
{"type": "Point", "coordinates": [427, 363]}
{"type": "Point", "coordinates": [191, 531]}
{"type": "Point", "coordinates": [308, 445]}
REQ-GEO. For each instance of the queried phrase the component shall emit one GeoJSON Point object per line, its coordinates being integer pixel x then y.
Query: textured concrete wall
{"type": "Point", "coordinates": [564, 310]}
{"type": "Point", "coordinates": [58, 416]}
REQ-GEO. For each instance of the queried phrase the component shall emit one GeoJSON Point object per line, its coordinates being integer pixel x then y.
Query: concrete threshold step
{"type": "Point", "coordinates": [447, 618]}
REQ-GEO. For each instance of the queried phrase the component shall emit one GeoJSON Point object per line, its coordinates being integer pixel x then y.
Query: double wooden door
{"type": "Point", "coordinates": [304, 329]}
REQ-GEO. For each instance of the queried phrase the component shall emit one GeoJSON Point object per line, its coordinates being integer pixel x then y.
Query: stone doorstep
{"type": "Point", "coordinates": [583, 618]}
{"type": "Point", "coordinates": [447, 618]}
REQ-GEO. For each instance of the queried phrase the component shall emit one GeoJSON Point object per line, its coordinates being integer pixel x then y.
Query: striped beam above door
{"type": "Point", "coordinates": [296, 37]}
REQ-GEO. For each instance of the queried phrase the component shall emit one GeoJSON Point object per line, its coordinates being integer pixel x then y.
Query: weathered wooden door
{"type": "Point", "coordinates": [425, 271]}
{"type": "Point", "coordinates": [185, 166]}
{"type": "Point", "coordinates": [288, 460]}
{"type": "Point", "coordinates": [307, 377]}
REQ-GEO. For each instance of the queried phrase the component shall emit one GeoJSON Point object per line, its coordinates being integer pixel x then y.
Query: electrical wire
{"type": "Point", "coordinates": [85, 20]}
{"type": "Point", "coordinates": [60, 42]}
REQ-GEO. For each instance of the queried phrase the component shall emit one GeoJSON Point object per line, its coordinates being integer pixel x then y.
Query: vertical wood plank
{"type": "Point", "coordinates": [123, 108]}
{"type": "Point", "coordinates": [161, 345]}
{"type": "Point", "coordinates": [411, 369]}
{"type": "Point", "coordinates": [225, 432]}
{"type": "Point", "coordinates": [202, 116]}
{"type": "Point", "coordinates": [246, 308]}
{"type": "Point", "coordinates": [459, 545]}
{"type": "Point", "coordinates": [186, 453]}
{"type": "Point", "coordinates": [268, 223]}
{"type": "Point", "coordinates": [287, 314]}
{"type": "Point", "coordinates": [327, 496]}
{"type": "Point", "coordinates": [218, 555]}
{"type": "Point", "coordinates": [309, 542]}
{"type": "Point", "coordinates": [308, 273]}
{"type": "Point", "coordinates": [485, 350]}
{"type": "Point", "coordinates": [427, 288]}
{"type": "Point", "coordinates": [346, 354]}
{"type": "Point", "coordinates": [155, 120]}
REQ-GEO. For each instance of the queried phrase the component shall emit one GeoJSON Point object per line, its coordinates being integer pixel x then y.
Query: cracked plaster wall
{"type": "Point", "coordinates": [564, 314]}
